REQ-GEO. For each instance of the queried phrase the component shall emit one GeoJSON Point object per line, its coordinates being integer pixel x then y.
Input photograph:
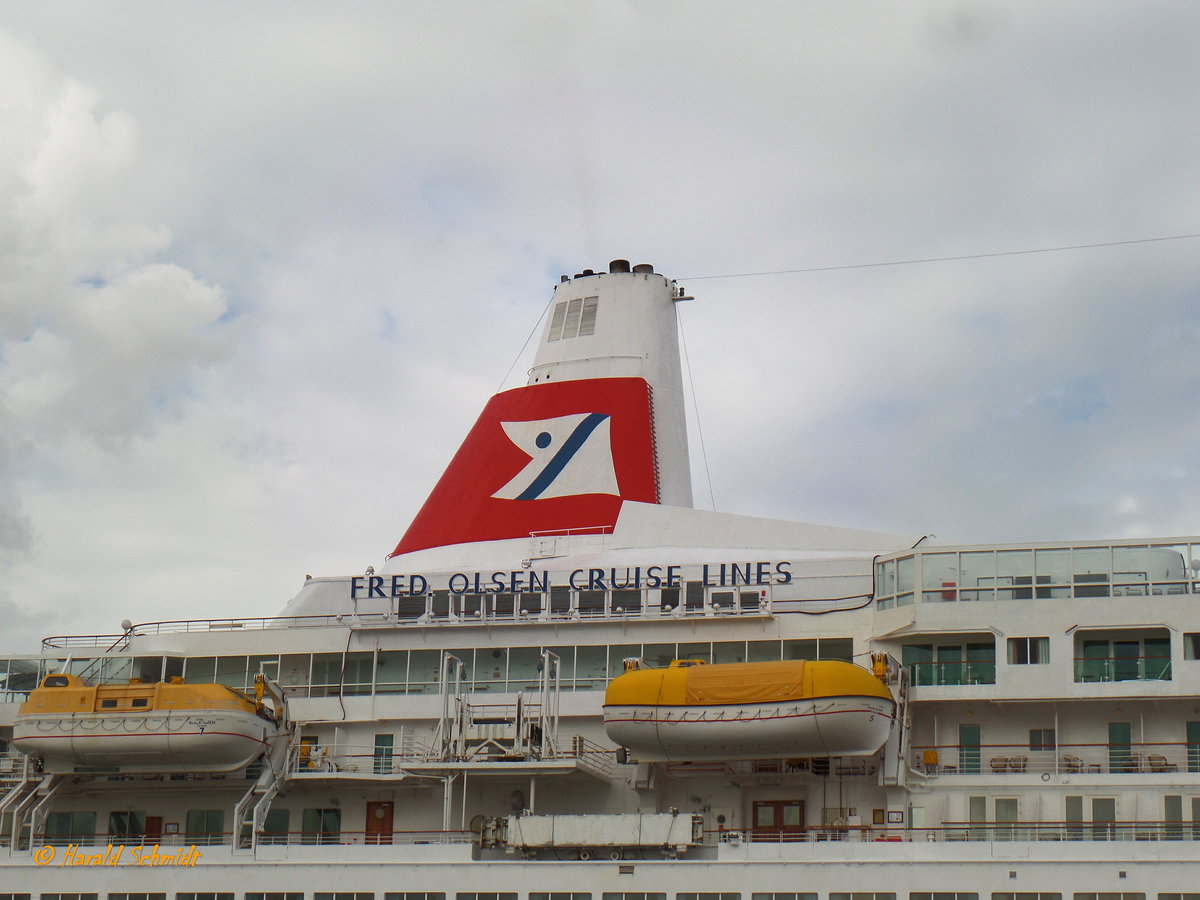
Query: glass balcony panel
{"type": "Point", "coordinates": [1131, 571]}
{"type": "Point", "coordinates": [1169, 568]}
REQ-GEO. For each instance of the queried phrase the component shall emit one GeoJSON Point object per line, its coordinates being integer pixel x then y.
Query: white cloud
{"type": "Point", "coordinates": [261, 264]}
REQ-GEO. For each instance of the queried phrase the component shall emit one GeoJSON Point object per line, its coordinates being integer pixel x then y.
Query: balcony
{"type": "Point", "coordinates": [1008, 760]}
{"type": "Point", "coordinates": [982, 671]}
{"type": "Point", "coordinates": [1110, 668]}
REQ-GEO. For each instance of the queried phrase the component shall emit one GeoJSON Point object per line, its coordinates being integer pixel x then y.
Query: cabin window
{"type": "Point", "coordinates": [276, 895]}
{"type": "Point", "coordinates": [322, 826]}
{"type": "Point", "coordinates": [558, 895]}
{"type": "Point", "coordinates": [943, 895]}
{"type": "Point", "coordinates": [491, 896]}
{"type": "Point", "coordinates": [1191, 645]}
{"type": "Point", "coordinates": [862, 895]}
{"type": "Point", "coordinates": [1028, 651]}
{"type": "Point", "coordinates": [140, 896]}
{"type": "Point", "coordinates": [343, 895]}
{"type": "Point", "coordinates": [709, 896]}
{"type": "Point", "coordinates": [628, 895]}
{"type": "Point", "coordinates": [275, 829]}
{"type": "Point", "coordinates": [140, 702]}
{"type": "Point", "coordinates": [1114, 895]}
{"type": "Point", "coordinates": [759, 895]}
{"type": "Point", "coordinates": [75, 827]}
{"type": "Point", "coordinates": [205, 826]}
{"type": "Point", "coordinates": [1042, 739]}
{"type": "Point", "coordinates": [108, 704]}
{"type": "Point", "coordinates": [127, 823]}
{"type": "Point", "coordinates": [428, 895]}
{"type": "Point", "coordinates": [57, 896]}
{"type": "Point", "coordinates": [206, 895]}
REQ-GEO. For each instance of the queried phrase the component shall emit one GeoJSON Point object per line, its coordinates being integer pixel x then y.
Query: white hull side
{"type": "Point", "coordinates": [828, 726]}
{"type": "Point", "coordinates": [177, 741]}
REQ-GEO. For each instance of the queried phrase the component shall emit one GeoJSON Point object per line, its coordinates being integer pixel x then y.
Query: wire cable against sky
{"type": "Point", "coordinates": [696, 409]}
{"type": "Point", "coordinates": [532, 332]}
{"type": "Point", "coordinates": [935, 259]}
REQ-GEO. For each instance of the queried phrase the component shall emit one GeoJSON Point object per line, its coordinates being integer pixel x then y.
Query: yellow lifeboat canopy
{"type": "Point", "coordinates": [691, 711]}
{"type": "Point", "coordinates": [74, 726]}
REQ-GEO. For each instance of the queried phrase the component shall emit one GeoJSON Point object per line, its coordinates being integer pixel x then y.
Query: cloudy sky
{"type": "Point", "coordinates": [262, 263]}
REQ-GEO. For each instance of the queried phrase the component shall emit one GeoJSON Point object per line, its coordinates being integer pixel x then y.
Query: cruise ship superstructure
{"type": "Point", "coordinates": [565, 683]}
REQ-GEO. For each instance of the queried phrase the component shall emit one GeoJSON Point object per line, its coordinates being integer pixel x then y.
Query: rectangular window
{"type": "Point", "coordinates": [275, 827]}
{"type": "Point", "coordinates": [862, 895]}
{"type": "Point", "coordinates": [426, 895]}
{"type": "Point", "coordinates": [1191, 645]}
{"type": "Point", "coordinates": [322, 826]}
{"type": "Point", "coordinates": [808, 895]}
{"type": "Point", "coordinates": [64, 896]}
{"type": "Point", "coordinates": [1193, 746]}
{"type": "Point", "coordinates": [343, 895]}
{"type": "Point", "coordinates": [205, 826]}
{"type": "Point", "coordinates": [139, 896]}
{"type": "Point", "coordinates": [127, 823]}
{"type": "Point", "coordinates": [70, 827]}
{"type": "Point", "coordinates": [709, 896]}
{"type": "Point", "coordinates": [1031, 651]}
{"type": "Point", "coordinates": [631, 895]}
{"type": "Point", "coordinates": [489, 896]}
{"type": "Point", "coordinates": [558, 895]}
{"type": "Point", "coordinates": [943, 895]}
{"type": "Point", "coordinates": [1110, 895]}
{"type": "Point", "coordinates": [1026, 895]}
{"type": "Point", "coordinates": [204, 895]}
{"type": "Point", "coordinates": [1042, 739]}
{"type": "Point", "coordinates": [276, 895]}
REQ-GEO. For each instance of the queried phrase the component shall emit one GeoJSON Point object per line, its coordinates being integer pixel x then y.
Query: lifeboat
{"type": "Point", "coordinates": [73, 726]}
{"type": "Point", "coordinates": [693, 712]}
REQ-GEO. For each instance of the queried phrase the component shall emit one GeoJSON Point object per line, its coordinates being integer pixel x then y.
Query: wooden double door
{"type": "Point", "coordinates": [779, 820]}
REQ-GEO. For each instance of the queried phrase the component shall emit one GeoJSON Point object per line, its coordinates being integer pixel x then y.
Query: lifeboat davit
{"type": "Point", "coordinates": [693, 712]}
{"type": "Point", "coordinates": [73, 726]}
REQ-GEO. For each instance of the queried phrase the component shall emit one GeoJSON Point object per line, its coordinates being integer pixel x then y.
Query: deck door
{"type": "Point", "coordinates": [379, 822]}
{"type": "Point", "coordinates": [779, 820]}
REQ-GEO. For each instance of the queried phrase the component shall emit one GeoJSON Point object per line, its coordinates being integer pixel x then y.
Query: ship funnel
{"type": "Point", "coordinates": [600, 422]}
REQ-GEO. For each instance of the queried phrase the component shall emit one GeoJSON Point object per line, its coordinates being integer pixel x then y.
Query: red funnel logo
{"type": "Point", "coordinates": [547, 457]}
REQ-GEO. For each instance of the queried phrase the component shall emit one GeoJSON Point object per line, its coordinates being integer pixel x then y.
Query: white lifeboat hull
{"type": "Point", "coordinates": [824, 726]}
{"type": "Point", "coordinates": [150, 742]}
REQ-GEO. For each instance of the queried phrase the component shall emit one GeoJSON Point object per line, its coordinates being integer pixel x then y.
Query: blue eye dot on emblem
{"type": "Point", "coordinates": [543, 440]}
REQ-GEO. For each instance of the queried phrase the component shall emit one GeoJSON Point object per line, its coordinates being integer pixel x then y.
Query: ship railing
{"type": "Point", "coordinates": [1132, 668]}
{"type": "Point", "coordinates": [289, 838]}
{"type": "Point", "coordinates": [600, 612]}
{"type": "Point", "coordinates": [12, 766]}
{"type": "Point", "coordinates": [773, 770]}
{"type": "Point", "coordinates": [320, 759]}
{"type": "Point", "coordinates": [1152, 758]}
{"type": "Point", "coordinates": [591, 756]}
{"type": "Point", "coordinates": [948, 832]}
{"type": "Point", "coordinates": [980, 671]}
{"type": "Point", "coordinates": [324, 759]}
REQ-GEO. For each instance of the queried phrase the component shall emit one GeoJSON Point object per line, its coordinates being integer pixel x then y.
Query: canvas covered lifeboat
{"type": "Point", "coordinates": [71, 725]}
{"type": "Point", "coordinates": [693, 712]}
